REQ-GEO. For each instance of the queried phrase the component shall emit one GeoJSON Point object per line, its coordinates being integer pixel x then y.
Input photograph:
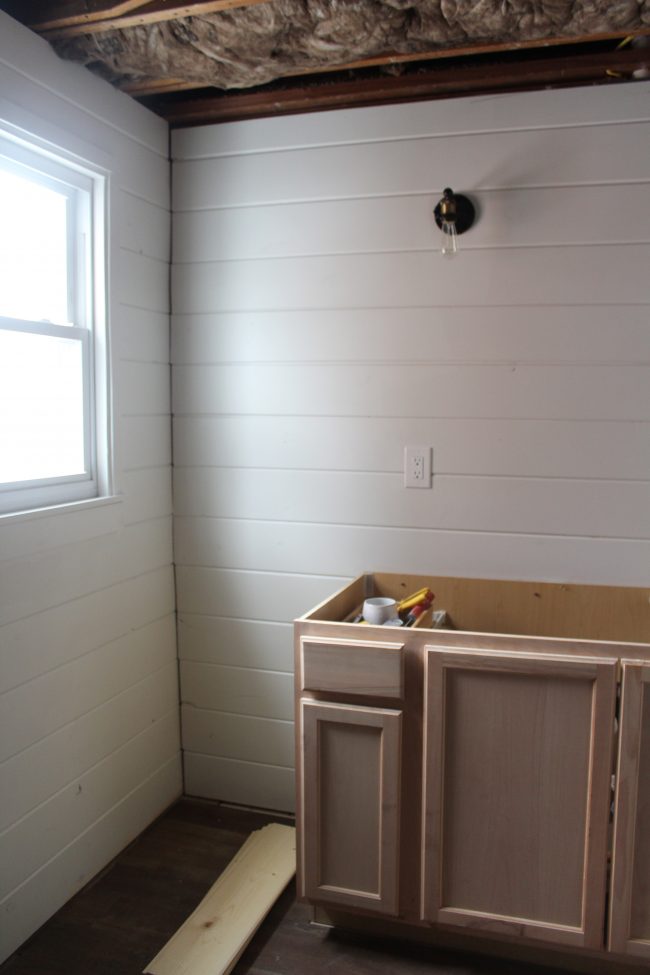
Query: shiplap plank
{"type": "Point", "coordinates": [414, 279]}
{"type": "Point", "coordinates": [262, 786]}
{"type": "Point", "coordinates": [45, 640]}
{"type": "Point", "coordinates": [144, 228]}
{"type": "Point", "coordinates": [251, 551]}
{"type": "Point", "coordinates": [577, 333]}
{"type": "Point", "coordinates": [529, 217]}
{"type": "Point", "coordinates": [142, 282]}
{"type": "Point", "coordinates": [48, 529]}
{"type": "Point", "coordinates": [422, 390]}
{"type": "Point", "coordinates": [53, 825]}
{"type": "Point", "coordinates": [526, 158]}
{"type": "Point", "coordinates": [140, 334]}
{"type": "Point", "coordinates": [47, 890]}
{"type": "Point", "coordinates": [445, 117]}
{"type": "Point", "coordinates": [148, 494]}
{"type": "Point", "coordinates": [48, 702]}
{"type": "Point", "coordinates": [145, 442]}
{"type": "Point", "coordinates": [38, 772]}
{"type": "Point", "coordinates": [494, 504]}
{"type": "Point", "coordinates": [241, 690]}
{"type": "Point", "coordinates": [238, 736]}
{"type": "Point", "coordinates": [532, 448]}
{"type": "Point", "coordinates": [212, 542]}
{"type": "Point", "coordinates": [79, 89]}
{"type": "Point", "coordinates": [252, 595]}
{"type": "Point", "coordinates": [48, 579]}
{"type": "Point", "coordinates": [238, 643]}
{"type": "Point", "coordinates": [33, 109]}
{"type": "Point", "coordinates": [143, 388]}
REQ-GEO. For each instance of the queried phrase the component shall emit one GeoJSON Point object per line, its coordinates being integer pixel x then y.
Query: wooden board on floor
{"type": "Point", "coordinates": [213, 938]}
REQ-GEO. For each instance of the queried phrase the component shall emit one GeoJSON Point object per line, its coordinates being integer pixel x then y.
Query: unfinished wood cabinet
{"type": "Point", "coordinates": [459, 781]}
{"type": "Point", "coordinates": [517, 766]}
{"type": "Point", "coordinates": [630, 904]}
{"type": "Point", "coordinates": [351, 787]}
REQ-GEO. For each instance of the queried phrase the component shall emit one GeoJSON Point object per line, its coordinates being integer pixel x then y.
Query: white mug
{"type": "Point", "coordinates": [379, 609]}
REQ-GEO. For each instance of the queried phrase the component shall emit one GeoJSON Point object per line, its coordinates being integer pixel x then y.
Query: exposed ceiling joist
{"type": "Point", "coordinates": [433, 82]}
{"type": "Point", "coordinates": [76, 17]}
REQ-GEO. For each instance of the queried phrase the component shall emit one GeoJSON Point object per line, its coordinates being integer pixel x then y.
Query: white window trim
{"type": "Point", "coordinates": [55, 167]}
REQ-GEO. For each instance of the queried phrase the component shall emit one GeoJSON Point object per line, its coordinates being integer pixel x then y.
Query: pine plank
{"type": "Point", "coordinates": [526, 217]}
{"type": "Point", "coordinates": [258, 693]}
{"type": "Point", "coordinates": [215, 935]}
{"type": "Point", "coordinates": [410, 279]}
{"type": "Point", "coordinates": [498, 504]}
{"type": "Point", "coordinates": [556, 157]}
{"type": "Point", "coordinates": [508, 392]}
{"type": "Point", "coordinates": [442, 118]}
{"type": "Point", "coordinates": [529, 448]}
{"type": "Point", "coordinates": [288, 555]}
{"type": "Point", "coordinates": [246, 783]}
{"type": "Point", "coordinates": [241, 737]}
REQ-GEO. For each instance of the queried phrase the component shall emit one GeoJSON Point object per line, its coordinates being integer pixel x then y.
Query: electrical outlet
{"type": "Point", "coordinates": [417, 467]}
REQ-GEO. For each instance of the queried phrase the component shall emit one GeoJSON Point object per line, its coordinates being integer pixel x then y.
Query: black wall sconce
{"type": "Point", "coordinates": [454, 214]}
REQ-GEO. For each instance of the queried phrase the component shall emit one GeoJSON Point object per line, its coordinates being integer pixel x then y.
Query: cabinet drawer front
{"type": "Point", "coordinates": [353, 667]}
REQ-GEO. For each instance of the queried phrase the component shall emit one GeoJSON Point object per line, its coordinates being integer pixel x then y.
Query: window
{"type": "Point", "coordinates": [52, 370]}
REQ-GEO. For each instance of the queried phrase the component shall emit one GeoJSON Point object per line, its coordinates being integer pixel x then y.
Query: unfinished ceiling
{"type": "Point", "coordinates": [225, 59]}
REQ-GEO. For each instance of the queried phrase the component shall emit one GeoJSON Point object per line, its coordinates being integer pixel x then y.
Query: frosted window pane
{"type": "Point", "coordinates": [41, 407]}
{"type": "Point", "coordinates": [33, 251]}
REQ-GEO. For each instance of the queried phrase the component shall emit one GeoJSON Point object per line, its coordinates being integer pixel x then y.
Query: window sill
{"type": "Point", "coordinates": [14, 517]}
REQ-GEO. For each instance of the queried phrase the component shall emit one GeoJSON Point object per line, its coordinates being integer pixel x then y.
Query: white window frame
{"type": "Point", "coordinates": [86, 191]}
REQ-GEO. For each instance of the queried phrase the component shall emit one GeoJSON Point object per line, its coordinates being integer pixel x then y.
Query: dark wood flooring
{"type": "Point", "coordinates": [122, 919]}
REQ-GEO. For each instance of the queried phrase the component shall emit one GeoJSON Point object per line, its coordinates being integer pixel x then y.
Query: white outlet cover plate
{"type": "Point", "coordinates": [417, 466]}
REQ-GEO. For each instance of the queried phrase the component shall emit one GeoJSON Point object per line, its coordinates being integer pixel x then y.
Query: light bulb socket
{"type": "Point", "coordinates": [454, 208]}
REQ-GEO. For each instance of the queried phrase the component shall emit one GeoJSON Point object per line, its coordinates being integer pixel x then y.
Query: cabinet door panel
{"type": "Point", "coordinates": [517, 769]}
{"type": "Point", "coordinates": [351, 787]}
{"type": "Point", "coordinates": [630, 904]}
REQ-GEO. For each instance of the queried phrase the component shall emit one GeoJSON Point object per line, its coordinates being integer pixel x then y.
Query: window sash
{"type": "Point", "coordinates": [83, 195]}
{"type": "Point", "coordinates": [71, 334]}
{"type": "Point", "coordinates": [77, 189]}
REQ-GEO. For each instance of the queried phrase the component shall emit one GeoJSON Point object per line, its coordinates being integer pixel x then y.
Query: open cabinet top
{"type": "Point", "coordinates": [561, 610]}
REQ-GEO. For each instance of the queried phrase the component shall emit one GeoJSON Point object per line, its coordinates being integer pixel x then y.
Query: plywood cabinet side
{"type": "Point", "coordinates": [629, 931]}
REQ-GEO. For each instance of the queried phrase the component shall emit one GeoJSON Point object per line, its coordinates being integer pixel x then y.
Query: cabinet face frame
{"type": "Point", "coordinates": [602, 672]}
{"type": "Point", "coordinates": [630, 777]}
{"type": "Point", "coordinates": [315, 714]}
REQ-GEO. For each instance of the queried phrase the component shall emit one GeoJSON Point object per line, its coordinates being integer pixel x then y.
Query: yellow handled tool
{"type": "Point", "coordinates": [414, 599]}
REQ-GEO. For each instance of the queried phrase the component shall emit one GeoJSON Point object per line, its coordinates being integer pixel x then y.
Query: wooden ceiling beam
{"type": "Point", "coordinates": [469, 50]}
{"type": "Point", "coordinates": [74, 17]}
{"type": "Point", "coordinates": [38, 14]}
{"type": "Point", "coordinates": [159, 86]}
{"type": "Point", "coordinates": [445, 81]}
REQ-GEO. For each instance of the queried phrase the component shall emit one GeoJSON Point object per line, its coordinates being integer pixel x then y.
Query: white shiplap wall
{"type": "Point", "coordinates": [316, 332]}
{"type": "Point", "coordinates": [89, 741]}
